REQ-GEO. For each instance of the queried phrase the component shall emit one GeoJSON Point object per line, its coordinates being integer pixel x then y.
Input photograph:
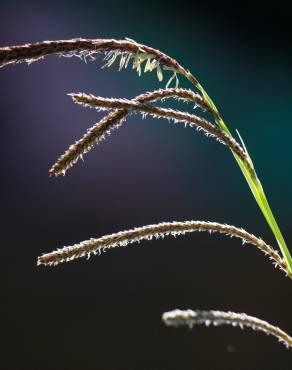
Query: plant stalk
{"type": "Point", "coordinates": [251, 178]}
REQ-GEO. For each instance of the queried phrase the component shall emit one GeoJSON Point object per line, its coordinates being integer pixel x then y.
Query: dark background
{"type": "Point", "coordinates": [105, 313]}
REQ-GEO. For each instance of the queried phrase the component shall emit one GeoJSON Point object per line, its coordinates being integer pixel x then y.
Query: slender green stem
{"type": "Point", "coordinates": [260, 197]}
{"type": "Point", "coordinates": [251, 178]}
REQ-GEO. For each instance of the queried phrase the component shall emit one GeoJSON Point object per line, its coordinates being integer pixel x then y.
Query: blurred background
{"type": "Point", "coordinates": [105, 313]}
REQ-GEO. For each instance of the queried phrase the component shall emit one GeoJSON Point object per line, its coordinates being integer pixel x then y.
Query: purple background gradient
{"type": "Point", "coordinates": [105, 313]}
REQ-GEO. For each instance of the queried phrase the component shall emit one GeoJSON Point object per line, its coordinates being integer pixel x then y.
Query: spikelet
{"type": "Point", "coordinates": [175, 115]}
{"type": "Point", "coordinates": [190, 318]}
{"type": "Point", "coordinates": [89, 49]}
{"type": "Point", "coordinates": [104, 127]}
{"type": "Point", "coordinates": [93, 136]}
{"type": "Point", "coordinates": [123, 238]}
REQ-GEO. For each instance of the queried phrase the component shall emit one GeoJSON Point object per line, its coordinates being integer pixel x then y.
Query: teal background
{"type": "Point", "coordinates": [105, 313]}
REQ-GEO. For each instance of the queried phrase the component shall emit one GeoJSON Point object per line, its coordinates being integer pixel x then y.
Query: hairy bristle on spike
{"type": "Point", "coordinates": [160, 230]}
{"type": "Point", "coordinates": [83, 48]}
{"type": "Point", "coordinates": [104, 127]}
{"type": "Point", "coordinates": [178, 116]}
{"type": "Point", "coordinates": [190, 318]}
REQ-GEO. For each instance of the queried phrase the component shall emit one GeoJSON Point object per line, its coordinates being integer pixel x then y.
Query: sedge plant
{"type": "Point", "coordinates": [143, 59]}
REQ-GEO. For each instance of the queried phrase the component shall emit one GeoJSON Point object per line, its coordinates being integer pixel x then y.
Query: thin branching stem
{"type": "Point", "coordinates": [190, 318]}
{"type": "Point", "coordinates": [250, 175]}
{"type": "Point", "coordinates": [123, 238]}
{"type": "Point", "coordinates": [104, 127]}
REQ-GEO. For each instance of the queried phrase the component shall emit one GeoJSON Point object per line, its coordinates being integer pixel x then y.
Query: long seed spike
{"type": "Point", "coordinates": [80, 47]}
{"type": "Point", "coordinates": [123, 238]}
{"type": "Point", "coordinates": [190, 318]}
{"type": "Point", "coordinates": [104, 127]}
{"type": "Point", "coordinates": [178, 116]}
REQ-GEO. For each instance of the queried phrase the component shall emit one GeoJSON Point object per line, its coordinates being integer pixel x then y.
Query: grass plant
{"type": "Point", "coordinates": [144, 59]}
